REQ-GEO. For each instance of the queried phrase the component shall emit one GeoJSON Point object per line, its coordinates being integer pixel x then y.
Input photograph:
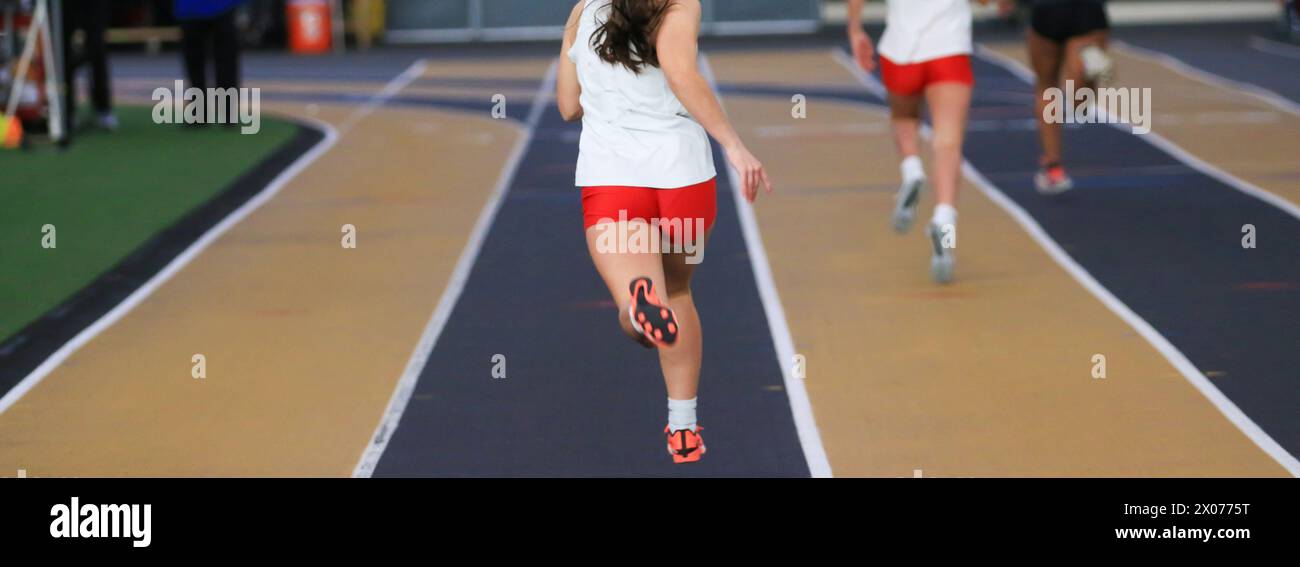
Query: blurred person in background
{"type": "Point", "coordinates": [91, 18]}
{"type": "Point", "coordinates": [209, 36]}
{"type": "Point", "coordinates": [1067, 43]}
{"type": "Point", "coordinates": [924, 59]}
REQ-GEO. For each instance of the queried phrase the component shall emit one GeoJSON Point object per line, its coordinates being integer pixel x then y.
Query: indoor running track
{"type": "Point", "coordinates": [1220, 305]}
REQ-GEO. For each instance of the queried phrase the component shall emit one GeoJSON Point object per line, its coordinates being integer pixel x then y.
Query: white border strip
{"type": "Point", "coordinates": [1155, 139]}
{"type": "Point", "coordinates": [1158, 341]}
{"type": "Point", "coordinates": [1183, 68]}
{"type": "Point", "coordinates": [1127, 13]}
{"type": "Point", "coordinates": [1194, 12]}
{"type": "Point", "coordinates": [764, 27]}
{"type": "Point", "coordinates": [800, 406]}
{"type": "Point", "coordinates": [171, 269]}
{"type": "Point", "coordinates": [460, 275]}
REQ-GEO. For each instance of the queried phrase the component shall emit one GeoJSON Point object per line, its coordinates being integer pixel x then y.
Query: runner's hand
{"type": "Point", "coordinates": [750, 170]}
{"type": "Point", "coordinates": [863, 50]}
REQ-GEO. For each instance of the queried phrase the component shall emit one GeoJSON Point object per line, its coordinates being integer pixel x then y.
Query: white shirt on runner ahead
{"type": "Point", "coordinates": [634, 130]}
{"type": "Point", "coordinates": [924, 30]}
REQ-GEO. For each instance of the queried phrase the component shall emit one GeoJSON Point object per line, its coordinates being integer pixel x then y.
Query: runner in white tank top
{"type": "Point", "coordinates": [924, 59]}
{"type": "Point", "coordinates": [922, 30]}
{"type": "Point", "coordinates": [629, 71]}
{"type": "Point", "coordinates": [634, 130]}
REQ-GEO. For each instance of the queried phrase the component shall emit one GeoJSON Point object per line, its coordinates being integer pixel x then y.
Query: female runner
{"type": "Point", "coordinates": [629, 71]}
{"type": "Point", "coordinates": [924, 58]}
{"type": "Point", "coordinates": [1067, 41]}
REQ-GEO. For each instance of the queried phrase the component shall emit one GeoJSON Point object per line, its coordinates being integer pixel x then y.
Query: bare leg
{"type": "Point", "coordinates": [669, 272]}
{"type": "Point", "coordinates": [681, 363]}
{"type": "Point", "coordinates": [905, 120]}
{"type": "Point", "coordinates": [619, 269]}
{"type": "Point", "coordinates": [949, 108]}
{"type": "Point", "coordinates": [1045, 56]}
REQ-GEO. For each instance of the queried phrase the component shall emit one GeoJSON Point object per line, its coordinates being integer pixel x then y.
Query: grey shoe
{"type": "Point", "coordinates": [909, 194]}
{"type": "Point", "coordinates": [107, 121]}
{"type": "Point", "coordinates": [942, 259]}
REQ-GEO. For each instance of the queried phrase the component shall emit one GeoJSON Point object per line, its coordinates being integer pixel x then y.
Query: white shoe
{"type": "Point", "coordinates": [942, 259]}
{"type": "Point", "coordinates": [909, 194]}
{"type": "Point", "coordinates": [1098, 67]}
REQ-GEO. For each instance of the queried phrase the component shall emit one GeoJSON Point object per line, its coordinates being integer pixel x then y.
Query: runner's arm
{"type": "Point", "coordinates": [678, 47]}
{"type": "Point", "coordinates": [864, 52]}
{"type": "Point", "coordinates": [567, 89]}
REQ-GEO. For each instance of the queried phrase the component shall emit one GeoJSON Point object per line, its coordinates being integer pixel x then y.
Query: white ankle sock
{"type": "Point", "coordinates": [944, 214]}
{"type": "Point", "coordinates": [912, 168]}
{"type": "Point", "coordinates": [681, 414]}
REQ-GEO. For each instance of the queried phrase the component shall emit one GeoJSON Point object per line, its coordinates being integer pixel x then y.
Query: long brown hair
{"type": "Point", "coordinates": [625, 37]}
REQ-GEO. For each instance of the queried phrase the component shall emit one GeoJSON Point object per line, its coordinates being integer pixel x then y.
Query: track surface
{"type": "Point", "coordinates": [1250, 53]}
{"type": "Point", "coordinates": [579, 399]}
{"type": "Point", "coordinates": [986, 377]}
{"type": "Point", "coordinates": [1167, 241]}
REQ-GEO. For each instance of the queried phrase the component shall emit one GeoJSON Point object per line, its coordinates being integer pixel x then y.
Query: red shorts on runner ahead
{"type": "Point", "coordinates": [684, 205]}
{"type": "Point", "coordinates": [911, 79]}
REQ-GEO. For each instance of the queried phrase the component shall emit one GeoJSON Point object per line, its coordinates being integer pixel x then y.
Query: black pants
{"type": "Point", "coordinates": [91, 17]}
{"type": "Point", "coordinates": [216, 40]}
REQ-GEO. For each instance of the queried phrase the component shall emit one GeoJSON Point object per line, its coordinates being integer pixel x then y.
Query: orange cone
{"type": "Point", "coordinates": [309, 26]}
{"type": "Point", "coordinates": [11, 133]}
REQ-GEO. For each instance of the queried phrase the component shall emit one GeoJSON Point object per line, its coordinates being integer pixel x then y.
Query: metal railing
{"type": "Point", "coordinates": [420, 21]}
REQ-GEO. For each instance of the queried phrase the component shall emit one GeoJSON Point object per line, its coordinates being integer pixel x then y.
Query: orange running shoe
{"type": "Point", "coordinates": [685, 446]}
{"type": "Point", "coordinates": [1053, 180]}
{"type": "Point", "coordinates": [649, 315]}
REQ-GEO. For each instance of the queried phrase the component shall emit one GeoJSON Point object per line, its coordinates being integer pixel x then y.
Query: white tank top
{"type": "Point", "coordinates": [924, 30]}
{"type": "Point", "coordinates": [634, 130]}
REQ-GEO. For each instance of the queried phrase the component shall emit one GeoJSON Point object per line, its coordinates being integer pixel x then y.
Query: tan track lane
{"type": "Point", "coordinates": [988, 376]}
{"type": "Point", "coordinates": [304, 340]}
{"type": "Point", "coordinates": [1236, 132]}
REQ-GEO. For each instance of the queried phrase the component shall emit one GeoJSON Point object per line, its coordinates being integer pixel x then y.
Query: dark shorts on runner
{"type": "Point", "coordinates": [1062, 21]}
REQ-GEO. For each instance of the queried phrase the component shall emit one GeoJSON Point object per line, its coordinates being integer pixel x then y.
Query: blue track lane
{"type": "Point", "coordinates": [1226, 50]}
{"type": "Point", "coordinates": [579, 398]}
{"type": "Point", "coordinates": [1166, 240]}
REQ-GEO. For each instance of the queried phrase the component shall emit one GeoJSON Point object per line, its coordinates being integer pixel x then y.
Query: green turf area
{"type": "Point", "coordinates": [105, 196]}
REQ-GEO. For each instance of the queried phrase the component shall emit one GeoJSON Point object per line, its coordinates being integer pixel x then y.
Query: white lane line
{"type": "Point", "coordinates": [171, 269]}
{"type": "Point", "coordinates": [1183, 68]}
{"type": "Point", "coordinates": [390, 90]}
{"type": "Point", "coordinates": [455, 286]}
{"type": "Point", "coordinates": [1081, 275]}
{"type": "Point", "coordinates": [1176, 357]}
{"type": "Point", "coordinates": [805, 425]}
{"type": "Point", "coordinates": [1018, 69]}
{"type": "Point", "coordinates": [1275, 47]}
{"type": "Point", "coordinates": [1152, 336]}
